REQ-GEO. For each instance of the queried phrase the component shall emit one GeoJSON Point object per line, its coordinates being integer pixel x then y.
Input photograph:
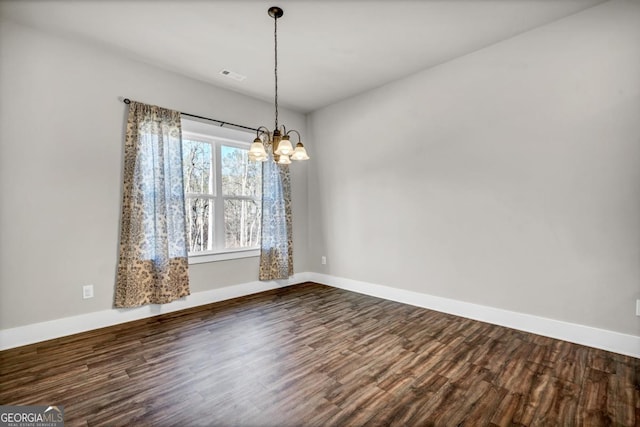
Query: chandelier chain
{"type": "Point", "coordinates": [275, 39]}
{"type": "Point", "coordinates": [277, 142]}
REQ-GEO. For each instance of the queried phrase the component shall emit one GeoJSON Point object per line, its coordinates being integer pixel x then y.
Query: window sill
{"type": "Point", "coordinates": [222, 256]}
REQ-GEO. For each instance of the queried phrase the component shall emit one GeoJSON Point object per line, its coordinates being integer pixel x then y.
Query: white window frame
{"type": "Point", "coordinates": [217, 136]}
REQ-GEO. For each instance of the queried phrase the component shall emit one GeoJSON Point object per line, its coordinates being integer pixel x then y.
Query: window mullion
{"type": "Point", "coordinates": [251, 198]}
{"type": "Point", "coordinates": [219, 199]}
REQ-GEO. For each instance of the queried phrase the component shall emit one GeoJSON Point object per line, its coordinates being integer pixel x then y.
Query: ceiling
{"type": "Point", "coordinates": [328, 50]}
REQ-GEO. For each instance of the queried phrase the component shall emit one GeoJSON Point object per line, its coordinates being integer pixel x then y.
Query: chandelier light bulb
{"type": "Point", "coordinates": [284, 160]}
{"type": "Point", "coordinates": [299, 153]}
{"type": "Point", "coordinates": [257, 149]}
{"type": "Point", "coordinates": [284, 147]}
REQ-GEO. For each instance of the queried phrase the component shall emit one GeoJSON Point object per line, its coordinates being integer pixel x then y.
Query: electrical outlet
{"type": "Point", "coordinates": [638, 307]}
{"type": "Point", "coordinates": [324, 260]}
{"type": "Point", "coordinates": [87, 291]}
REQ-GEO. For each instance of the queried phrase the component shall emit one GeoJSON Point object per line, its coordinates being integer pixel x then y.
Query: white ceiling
{"type": "Point", "coordinates": [328, 50]}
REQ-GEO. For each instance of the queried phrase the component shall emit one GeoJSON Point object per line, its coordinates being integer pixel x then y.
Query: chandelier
{"type": "Point", "coordinates": [278, 141]}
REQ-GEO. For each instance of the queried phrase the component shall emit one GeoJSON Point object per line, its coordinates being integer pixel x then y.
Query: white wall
{"type": "Point", "coordinates": [508, 178]}
{"type": "Point", "coordinates": [61, 135]}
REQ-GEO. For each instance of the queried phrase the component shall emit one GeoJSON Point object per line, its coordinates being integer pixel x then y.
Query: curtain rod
{"type": "Point", "coordinates": [222, 123]}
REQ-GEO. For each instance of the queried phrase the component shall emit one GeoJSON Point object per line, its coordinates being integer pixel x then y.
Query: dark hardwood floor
{"type": "Point", "coordinates": [318, 356]}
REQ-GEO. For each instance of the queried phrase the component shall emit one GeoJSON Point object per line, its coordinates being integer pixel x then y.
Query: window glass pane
{"type": "Point", "coordinates": [242, 223]}
{"type": "Point", "coordinates": [240, 177]}
{"type": "Point", "coordinates": [199, 227]}
{"type": "Point", "coordinates": [196, 166]}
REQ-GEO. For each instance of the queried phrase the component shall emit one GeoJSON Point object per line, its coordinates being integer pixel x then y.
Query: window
{"type": "Point", "coordinates": [222, 192]}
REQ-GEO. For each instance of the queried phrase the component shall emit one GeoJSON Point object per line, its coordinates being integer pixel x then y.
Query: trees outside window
{"type": "Point", "coordinates": [222, 194]}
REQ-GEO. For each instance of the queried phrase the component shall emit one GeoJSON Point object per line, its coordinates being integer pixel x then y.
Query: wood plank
{"type": "Point", "coordinates": [313, 355]}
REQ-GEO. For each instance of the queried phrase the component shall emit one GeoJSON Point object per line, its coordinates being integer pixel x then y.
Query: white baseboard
{"type": "Point", "coordinates": [585, 335]}
{"type": "Point", "coordinates": [37, 332]}
{"type": "Point", "coordinates": [593, 337]}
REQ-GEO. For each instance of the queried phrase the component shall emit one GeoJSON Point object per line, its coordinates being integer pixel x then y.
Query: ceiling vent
{"type": "Point", "coordinates": [232, 75]}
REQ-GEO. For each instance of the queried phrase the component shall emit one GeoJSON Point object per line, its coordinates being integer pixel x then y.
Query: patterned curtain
{"type": "Point", "coordinates": [276, 247]}
{"type": "Point", "coordinates": [153, 265]}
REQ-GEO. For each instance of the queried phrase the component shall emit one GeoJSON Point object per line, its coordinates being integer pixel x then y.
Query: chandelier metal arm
{"type": "Point", "coordinates": [296, 132]}
{"type": "Point", "coordinates": [262, 130]}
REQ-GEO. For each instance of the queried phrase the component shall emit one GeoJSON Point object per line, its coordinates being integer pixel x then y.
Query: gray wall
{"type": "Point", "coordinates": [509, 177]}
{"type": "Point", "coordinates": [61, 135]}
